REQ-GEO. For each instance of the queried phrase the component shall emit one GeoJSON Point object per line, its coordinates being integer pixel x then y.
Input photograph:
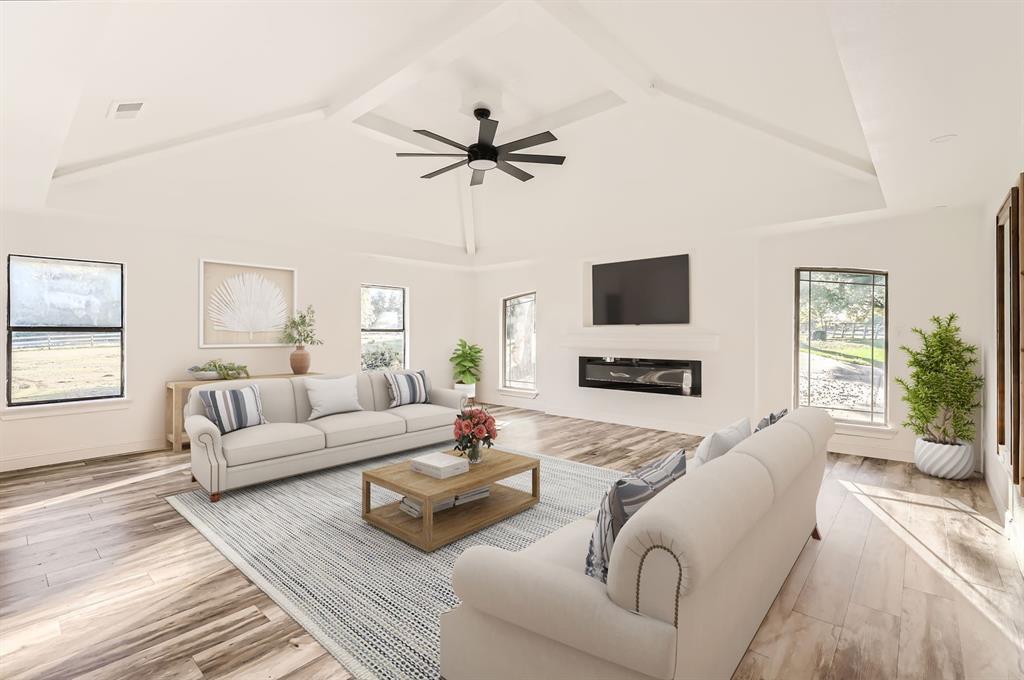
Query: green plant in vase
{"type": "Point", "coordinates": [300, 330]}
{"type": "Point", "coordinates": [466, 360]}
{"type": "Point", "coordinates": [942, 394]}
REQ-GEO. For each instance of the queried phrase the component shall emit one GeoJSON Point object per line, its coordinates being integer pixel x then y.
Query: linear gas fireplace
{"type": "Point", "coordinates": [660, 376]}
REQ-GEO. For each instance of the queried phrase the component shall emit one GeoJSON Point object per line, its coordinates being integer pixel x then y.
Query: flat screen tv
{"type": "Point", "coordinates": [651, 291]}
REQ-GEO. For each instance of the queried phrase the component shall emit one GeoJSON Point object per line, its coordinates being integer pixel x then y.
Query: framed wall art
{"type": "Point", "coordinates": [244, 305]}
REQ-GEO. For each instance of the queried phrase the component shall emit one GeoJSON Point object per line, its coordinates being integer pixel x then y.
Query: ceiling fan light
{"type": "Point", "coordinates": [483, 164]}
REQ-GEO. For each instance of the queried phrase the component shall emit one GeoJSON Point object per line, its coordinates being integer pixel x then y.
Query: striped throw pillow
{"type": "Point", "coordinates": [622, 501]}
{"type": "Point", "coordinates": [407, 387]}
{"type": "Point", "coordinates": [232, 410]}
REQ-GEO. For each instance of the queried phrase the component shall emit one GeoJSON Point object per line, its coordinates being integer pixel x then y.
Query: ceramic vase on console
{"type": "Point", "coordinates": [299, 360]}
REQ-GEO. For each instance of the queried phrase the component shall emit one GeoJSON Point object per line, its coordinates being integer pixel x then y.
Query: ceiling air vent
{"type": "Point", "coordinates": [124, 110]}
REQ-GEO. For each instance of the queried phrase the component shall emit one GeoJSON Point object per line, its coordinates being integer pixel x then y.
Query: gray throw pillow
{"type": "Point", "coordinates": [770, 419]}
{"type": "Point", "coordinates": [232, 410]}
{"type": "Point", "coordinates": [623, 500]}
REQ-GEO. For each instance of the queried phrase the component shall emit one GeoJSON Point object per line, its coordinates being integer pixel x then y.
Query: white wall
{"type": "Point", "coordinates": [936, 265]}
{"type": "Point", "coordinates": [721, 306]}
{"type": "Point", "coordinates": [742, 298]}
{"type": "Point", "coordinates": [161, 266]}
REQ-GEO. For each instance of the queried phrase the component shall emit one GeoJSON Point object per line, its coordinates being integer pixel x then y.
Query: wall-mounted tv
{"type": "Point", "coordinates": [651, 291]}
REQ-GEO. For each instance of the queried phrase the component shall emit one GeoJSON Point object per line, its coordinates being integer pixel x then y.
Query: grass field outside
{"type": "Point", "coordinates": [850, 351]}
{"type": "Point", "coordinates": [65, 373]}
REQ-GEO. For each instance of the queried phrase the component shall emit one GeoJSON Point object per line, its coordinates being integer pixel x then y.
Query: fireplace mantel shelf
{"type": "Point", "coordinates": [641, 338]}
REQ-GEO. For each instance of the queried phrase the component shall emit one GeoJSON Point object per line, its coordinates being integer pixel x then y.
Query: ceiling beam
{"type": "Point", "coordinates": [630, 78]}
{"type": "Point", "coordinates": [467, 208]}
{"type": "Point", "coordinates": [472, 30]}
{"type": "Point", "coordinates": [95, 166]}
{"type": "Point", "coordinates": [836, 159]}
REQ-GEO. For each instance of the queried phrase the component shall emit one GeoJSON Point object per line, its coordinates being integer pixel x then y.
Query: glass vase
{"type": "Point", "coordinates": [473, 453]}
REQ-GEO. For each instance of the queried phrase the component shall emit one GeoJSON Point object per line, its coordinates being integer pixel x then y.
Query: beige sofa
{"type": "Point", "coordinates": [289, 444]}
{"type": "Point", "coordinates": [700, 563]}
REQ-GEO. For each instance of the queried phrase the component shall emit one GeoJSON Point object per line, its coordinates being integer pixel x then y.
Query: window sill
{"type": "Point", "coordinates": [525, 394]}
{"type": "Point", "coordinates": [75, 408]}
{"type": "Point", "coordinates": [873, 431]}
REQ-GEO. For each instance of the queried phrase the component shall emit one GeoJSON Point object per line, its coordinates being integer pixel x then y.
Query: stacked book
{"type": "Point", "coordinates": [414, 508]}
{"type": "Point", "coordinates": [440, 465]}
{"type": "Point", "coordinates": [474, 495]}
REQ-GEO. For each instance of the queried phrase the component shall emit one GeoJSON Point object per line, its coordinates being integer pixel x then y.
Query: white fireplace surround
{"type": "Point", "coordinates": [636, 339]}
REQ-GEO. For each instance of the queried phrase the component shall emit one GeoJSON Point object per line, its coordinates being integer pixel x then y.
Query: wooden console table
{"type": "Point", "coordinates": [177, 394]}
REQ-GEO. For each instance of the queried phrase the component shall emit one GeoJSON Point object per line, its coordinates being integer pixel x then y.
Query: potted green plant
{"type": "Point", "coordinates": [300, 330]}
{"type": "Point", "coordinates": [941, 395]}
{"type": "Point", "coordinates": [465, 362]}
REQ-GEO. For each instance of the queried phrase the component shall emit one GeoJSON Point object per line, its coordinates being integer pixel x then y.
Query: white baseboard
{"type": "Point", "coordinates": [8, 464]}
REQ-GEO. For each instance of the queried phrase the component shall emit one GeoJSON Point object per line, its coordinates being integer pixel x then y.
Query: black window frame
{"type": "Point", "coordinates": [873, 273]}
{"type": "Point", "coordinates": [404, 330]}
{"type": "Point", "coordinates": [11, 330]}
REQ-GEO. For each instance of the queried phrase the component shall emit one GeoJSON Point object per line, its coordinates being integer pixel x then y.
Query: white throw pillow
{"type": "Point", "coordinates": [717, 443]}
{"type": "Point", "coordinates": [332, 395]}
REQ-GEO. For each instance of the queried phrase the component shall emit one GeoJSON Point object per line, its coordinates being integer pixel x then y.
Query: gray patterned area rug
{"type": "Point", "coordinates": [371, 600]}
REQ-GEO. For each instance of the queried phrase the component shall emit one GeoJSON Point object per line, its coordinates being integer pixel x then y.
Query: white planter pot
{"type": "Point", "coordinates": [468, 391]}
{"type": "Point", "coordinates": [948, 461]}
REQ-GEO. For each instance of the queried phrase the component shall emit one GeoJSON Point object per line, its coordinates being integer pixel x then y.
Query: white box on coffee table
{"type": "Point", "coordinates": [440, 465]}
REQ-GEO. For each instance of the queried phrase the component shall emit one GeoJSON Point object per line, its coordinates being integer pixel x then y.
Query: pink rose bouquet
{"type": "Point", "coordinates": [473, 427]}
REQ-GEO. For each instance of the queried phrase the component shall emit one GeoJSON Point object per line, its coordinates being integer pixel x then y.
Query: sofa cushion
{"type": "Point", "coordinates": [332, 395]}
{"type": "Point", "coordinates": [273, 440]}
{"type": "Point", "coordinates": [626, 497]}
{"type": "Point", "coordinates": [232, 410]}
{"type": "Point", "coordinates": [276, 395]}
{"type": "Point", "coordinates": [406, 387]}
{"type": "Point", "coordinates": [425, 416]}
{"type": "Point", "coordinates": [770, 419]}
{"type": "Point", "coordinates": [302, 406]}
{"type": "Point", "coordinates": [380, 393]}
{"type": "Point", "coordinates": [358, 426]}
{"type": "Point", "coordinates": [717, 443]}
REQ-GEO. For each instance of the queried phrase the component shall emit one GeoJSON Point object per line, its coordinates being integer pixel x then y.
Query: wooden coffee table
{"type": "Point", "coordinates": [433, 531]}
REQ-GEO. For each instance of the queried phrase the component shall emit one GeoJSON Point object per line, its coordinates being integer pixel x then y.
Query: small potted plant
{"type": "Point", "coordinates": [300, 330]}
{"type": "Point", "coordinates": [465, 362]}
{"type": "Point", "coordinates": [473, 427]}
{"type": "Point", "coordinates": [942, 395]}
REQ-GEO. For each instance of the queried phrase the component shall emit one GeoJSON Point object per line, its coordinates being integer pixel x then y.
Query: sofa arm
{"type": "Point", "coordinates": [443, 396]}
{"type": "Point", "coordinates": [209, 466]}
{"type": "Point", "coordinates": [563, 605]}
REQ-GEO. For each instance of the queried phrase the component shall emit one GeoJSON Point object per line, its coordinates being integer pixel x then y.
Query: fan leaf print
{"type": "Point", "coordinates": [248, 303]}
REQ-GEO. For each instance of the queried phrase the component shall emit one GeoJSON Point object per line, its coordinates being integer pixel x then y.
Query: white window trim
{"type": "Point", "coordinates": [502, 388]}
{"type": "Point", "coordinates": [63, 409]}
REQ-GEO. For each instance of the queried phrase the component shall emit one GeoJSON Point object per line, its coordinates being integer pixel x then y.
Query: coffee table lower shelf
{"type": "Point", "coordinates": [450, 525]}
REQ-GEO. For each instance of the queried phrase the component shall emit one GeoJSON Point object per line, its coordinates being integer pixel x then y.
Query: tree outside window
{"type": "Point", "coordinates": [383, 336]}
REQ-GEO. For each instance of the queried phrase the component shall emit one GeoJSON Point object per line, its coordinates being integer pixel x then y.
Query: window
{"type": "Point", "coordinates": [519, 346]}
{"type": "Point", "coordinates": [383, 342]}
{"type": "Point", "coordinates": [841, 346]}
{"type": "Point", "coordinates": [65, 330]}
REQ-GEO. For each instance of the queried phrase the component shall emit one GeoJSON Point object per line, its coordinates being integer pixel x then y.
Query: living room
{"type": "Point", "coordinates": [752, 209]}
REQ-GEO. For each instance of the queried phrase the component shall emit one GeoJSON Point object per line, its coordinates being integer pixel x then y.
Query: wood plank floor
{"type": "Point", "coordinates": [101, 578]}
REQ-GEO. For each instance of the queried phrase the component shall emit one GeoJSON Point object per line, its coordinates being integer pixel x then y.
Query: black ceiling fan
{"type": "Point", "coordinates": [483, 155]}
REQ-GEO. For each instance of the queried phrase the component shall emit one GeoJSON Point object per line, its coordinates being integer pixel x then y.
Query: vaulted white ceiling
{"type": "Point", "coordinates": [675, 117]}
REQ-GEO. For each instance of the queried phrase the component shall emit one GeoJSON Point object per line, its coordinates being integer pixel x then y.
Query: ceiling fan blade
{"type": "Point", "coordinates": [487, 129]}
{"type": "Point", "coordinates": [532, 140]}
{"type": "Point", "coordinates": [521, 175]}
{"type": "Point", "coordinates": [478, 178]}
{"type": "Point", "coordinates": [428, 133]}
{"type": "Point", "coordinates": [446, 168]}
{"type": "Point", "coordinates": [410, 155]}
{"type": "Point", "coordinates": [533, 158]}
